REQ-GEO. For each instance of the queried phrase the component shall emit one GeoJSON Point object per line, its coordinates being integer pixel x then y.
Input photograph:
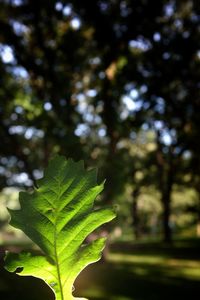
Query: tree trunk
{"type": "Point", "coordinates": [198, 227]}
{"type": "Point", "coordinates": [166, 217]}
{"type": "Point", "coordinates": [135, 216]}
{"type": "Point", "coordinates": [198, 216]}
{"type": "Point", "coordinates": [166, 172]}
{"type": "Point", "coordinates": [166, 200]}
{"type": "Point", "coordinates": [196, 181]}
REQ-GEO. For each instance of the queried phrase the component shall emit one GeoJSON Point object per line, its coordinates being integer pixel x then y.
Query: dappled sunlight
{"type": "Point", "coordinates": [169, 267]}
{"type": "Point", "coordinates": [130, 258]}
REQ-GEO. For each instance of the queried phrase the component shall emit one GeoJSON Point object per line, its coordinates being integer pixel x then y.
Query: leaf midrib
{"type": "Point", "coordinates": [55, 246]}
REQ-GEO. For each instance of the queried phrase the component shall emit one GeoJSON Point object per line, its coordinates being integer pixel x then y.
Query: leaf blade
{"type": "Point", "coordinates": [58, 217]}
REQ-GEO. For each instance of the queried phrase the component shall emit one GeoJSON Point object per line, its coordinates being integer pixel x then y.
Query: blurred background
{"type": "Point", "coordinates": [117, 84]}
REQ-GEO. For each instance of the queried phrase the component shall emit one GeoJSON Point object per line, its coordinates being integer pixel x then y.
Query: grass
{"type": "Point", "coordinates": [145, 271]}
{"type": "Point", "coordinates": [139, 271]}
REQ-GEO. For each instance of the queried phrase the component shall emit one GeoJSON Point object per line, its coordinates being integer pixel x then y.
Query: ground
{"type": "Point", "coordinates": [142, 271]}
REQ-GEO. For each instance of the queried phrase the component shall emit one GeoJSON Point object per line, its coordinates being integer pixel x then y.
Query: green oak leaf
{"type": "Point", "coordinates": [58, 216]}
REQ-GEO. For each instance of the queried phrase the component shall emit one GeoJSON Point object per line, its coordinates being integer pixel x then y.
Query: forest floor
{"type": "Point", "coordinates": [131, 271]}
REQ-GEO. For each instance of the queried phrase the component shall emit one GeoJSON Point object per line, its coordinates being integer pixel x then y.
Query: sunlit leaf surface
{"type": "Point", "coordinates": [58, 216]}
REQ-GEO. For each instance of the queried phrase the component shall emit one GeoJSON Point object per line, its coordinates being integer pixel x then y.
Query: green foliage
{"type": "Point", "coordinates": [58, 216]}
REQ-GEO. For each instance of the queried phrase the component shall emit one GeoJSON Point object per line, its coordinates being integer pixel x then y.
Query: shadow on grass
{"type": "Point", "coordinates": [120, 281]}
{"type": "Point", "coordinates": [180, 249]}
